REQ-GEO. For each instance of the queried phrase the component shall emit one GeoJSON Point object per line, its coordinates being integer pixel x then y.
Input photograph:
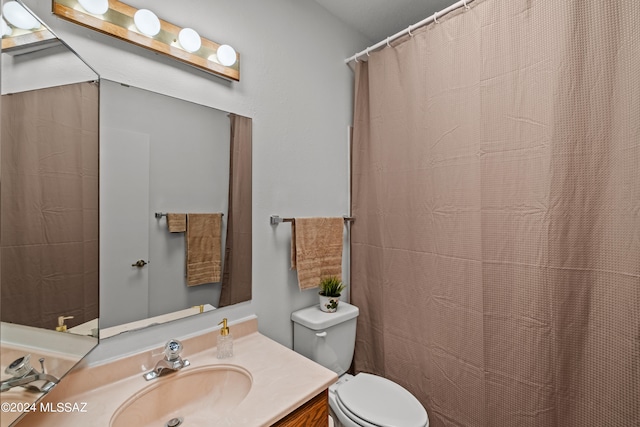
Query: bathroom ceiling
{"type": "Point", "coordinates": [378, 19]}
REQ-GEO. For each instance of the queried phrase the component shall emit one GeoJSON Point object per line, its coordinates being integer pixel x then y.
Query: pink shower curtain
{"type": "Point", "coordinates": [496, 190]}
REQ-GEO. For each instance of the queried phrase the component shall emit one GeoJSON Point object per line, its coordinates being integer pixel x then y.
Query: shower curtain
{"type": "Point", "coordinates": [236, 277]}
{"type": "Point", "coordinates": [496, 191]}
{"type": "Point", "coordinates": [49, 206]}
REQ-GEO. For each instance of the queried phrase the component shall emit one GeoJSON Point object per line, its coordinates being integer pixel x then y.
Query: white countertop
{"type": "Point", "coordinates": [282, 380]}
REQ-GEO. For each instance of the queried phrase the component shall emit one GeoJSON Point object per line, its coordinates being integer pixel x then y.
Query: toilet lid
{"type": "Point", "coordinates": [381, 402]}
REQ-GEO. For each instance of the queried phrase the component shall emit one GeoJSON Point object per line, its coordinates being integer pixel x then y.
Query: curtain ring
{"type": "Point", "coordinates": [410, 31]}
{"type": "Point", "coordinates": [435, 18]}
{"type": "Point", "coordinates": [367, 52]}
{"type": "Point", "coordinates": [388, 45]}
{"type": "Point", "coordinates": [355, 58]}
{"type": "Point", "coordinates": [466, 6]}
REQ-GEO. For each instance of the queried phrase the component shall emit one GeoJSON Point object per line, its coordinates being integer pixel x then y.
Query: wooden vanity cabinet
{"type": "Point", "coordinates": [313, 413]}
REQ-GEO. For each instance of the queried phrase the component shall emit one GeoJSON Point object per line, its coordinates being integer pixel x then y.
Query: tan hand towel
{"type": "Point", "coordinates": [203, 243]}
{"type": "Point", "coordinates": [316, 249]}
{"type": "Point", "coordinates": [176, 223]}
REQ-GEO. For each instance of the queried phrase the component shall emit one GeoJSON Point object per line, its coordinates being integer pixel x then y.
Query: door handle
{"type": "Point", "coordinates": [140, 263]}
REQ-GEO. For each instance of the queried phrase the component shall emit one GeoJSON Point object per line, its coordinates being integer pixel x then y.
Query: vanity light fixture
{"type": "Point", "coordinates": [143, 28]}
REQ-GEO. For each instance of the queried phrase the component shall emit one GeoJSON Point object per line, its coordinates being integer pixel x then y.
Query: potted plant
{"type": "Point", "coordinates": [330, 290]}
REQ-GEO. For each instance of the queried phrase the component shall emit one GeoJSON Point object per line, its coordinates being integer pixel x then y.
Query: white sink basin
{"type": "Point", "coordinates": [197, 396]}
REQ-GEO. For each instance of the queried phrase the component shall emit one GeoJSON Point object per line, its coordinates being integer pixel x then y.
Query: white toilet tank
{"type": "Point", "coordinates": [326, 338]}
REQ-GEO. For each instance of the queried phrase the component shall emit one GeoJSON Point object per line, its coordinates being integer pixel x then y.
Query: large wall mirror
{"type": "Point", "coordinates": [49, 261]}
{"type": "Point", "coordinates": [164, 158]}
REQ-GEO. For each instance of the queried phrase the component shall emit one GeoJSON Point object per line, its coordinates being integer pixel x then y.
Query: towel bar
{"type": "Point", "coordinates": [159, 215]}
{"type": "Point", "coordinates": [275, 219]}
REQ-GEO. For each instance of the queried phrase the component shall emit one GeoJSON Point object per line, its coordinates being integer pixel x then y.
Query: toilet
{"type": "Point", "coordinates": [363, 400]}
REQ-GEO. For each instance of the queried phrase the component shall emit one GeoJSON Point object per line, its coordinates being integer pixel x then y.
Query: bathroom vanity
{"type": "Point", "coordinates": [315, 412]}
{"type": "Point", "coordinates": [262, 384]}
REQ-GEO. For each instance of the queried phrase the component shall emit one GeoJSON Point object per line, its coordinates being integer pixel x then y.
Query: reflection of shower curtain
{"type": "Point", "coordinates": [496, 251]}
{"type": "Point", "coordinates": [237, 262]}
{"type": "Point", "coordinates": [49, 205]}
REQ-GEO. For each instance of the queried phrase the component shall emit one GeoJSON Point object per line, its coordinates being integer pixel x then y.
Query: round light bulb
{"type": "Point", "coordinates": [147, 22]}
{"type": "Point", "coordinates": [97, 7]}
{"type": "Point", "coordinates": [189, 39]}
{"type": "Point", "coordinates": [226, 55]}
{"type": "Point", "coordinates": [19, 17]}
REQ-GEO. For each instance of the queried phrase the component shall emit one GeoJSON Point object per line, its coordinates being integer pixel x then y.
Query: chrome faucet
{"type": "Point", "coordinates": [23, 375]}
{"type": "Point", "coordinates": [172, 361]}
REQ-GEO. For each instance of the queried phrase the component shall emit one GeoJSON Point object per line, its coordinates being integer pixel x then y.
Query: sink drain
{"type": "Point", "coordinates": [174, 422]}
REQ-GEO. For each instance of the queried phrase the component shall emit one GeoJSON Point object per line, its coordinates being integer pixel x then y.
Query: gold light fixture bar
{"type": "Point", "coordinates": [118, 22]}
{"type": "Point", "coordinates": [27, 38]}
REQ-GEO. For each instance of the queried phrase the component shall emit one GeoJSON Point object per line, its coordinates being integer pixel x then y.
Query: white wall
{"type": "Point", "coordinates": [295, 86]}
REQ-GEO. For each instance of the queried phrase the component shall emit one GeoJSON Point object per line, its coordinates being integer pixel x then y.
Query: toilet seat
{"type": "Point", "coordinates": [373, 401]}
{"type": "Point", "coordinates": [357, 421]}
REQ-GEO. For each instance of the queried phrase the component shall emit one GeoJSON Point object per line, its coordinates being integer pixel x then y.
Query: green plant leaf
{"type": "Point", "coordinates": [331, 286]}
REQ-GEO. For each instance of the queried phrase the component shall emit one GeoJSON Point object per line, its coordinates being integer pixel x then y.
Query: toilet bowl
{"type": "Point", "coordinates": [371, 401]}
{"type": "Point", "coordinates": [363, 400]}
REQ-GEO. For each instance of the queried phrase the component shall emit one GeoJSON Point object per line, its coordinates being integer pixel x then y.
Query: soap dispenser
{"type": "Point", "coordinates": [61, 326]}
{"type": "Point", "coordinates": [225, 341]}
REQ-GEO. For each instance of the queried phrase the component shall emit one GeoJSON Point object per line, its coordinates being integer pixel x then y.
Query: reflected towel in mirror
{"type": "Point", "coordinates": [177, 223]}
{"type": "Point", "coordinates": [203, 245]}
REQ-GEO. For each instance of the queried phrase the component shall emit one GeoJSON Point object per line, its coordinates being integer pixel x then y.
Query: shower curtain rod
{"type": "Point", "coordinates": [432, 18]}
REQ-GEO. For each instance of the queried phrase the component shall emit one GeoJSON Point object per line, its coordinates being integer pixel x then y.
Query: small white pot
{"type": "Point", "coordinates": [329, 304]}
